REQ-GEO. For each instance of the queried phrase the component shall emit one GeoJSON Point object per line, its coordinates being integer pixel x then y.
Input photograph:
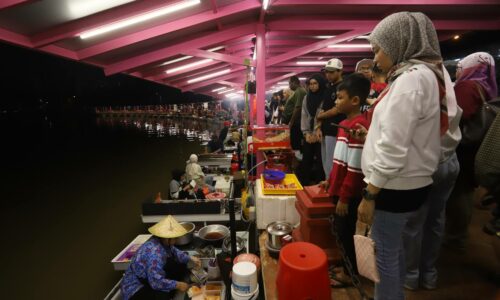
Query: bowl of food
{"type": "Point", "coordinates": [213, 233]}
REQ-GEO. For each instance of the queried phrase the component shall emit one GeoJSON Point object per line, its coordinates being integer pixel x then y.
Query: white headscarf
{"type": "Point", "coordinates": [192, 159]}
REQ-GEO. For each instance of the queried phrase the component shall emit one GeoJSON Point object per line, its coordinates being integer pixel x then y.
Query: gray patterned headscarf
{"type": "Point", "coordinates": [408, 38]}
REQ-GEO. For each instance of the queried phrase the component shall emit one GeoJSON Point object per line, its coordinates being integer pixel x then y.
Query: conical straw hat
{"type": "Point", "coordinates": [167, 228]}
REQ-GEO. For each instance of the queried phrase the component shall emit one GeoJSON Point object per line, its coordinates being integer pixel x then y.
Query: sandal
{"type": "Point", "coordinates": [337, 282]}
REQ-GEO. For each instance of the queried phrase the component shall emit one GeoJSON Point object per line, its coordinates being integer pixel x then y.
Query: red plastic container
{"type": "Point", "coordinates": [316, 230]}
{"type": "Point", "coordinates": [317, 194]}
{"type": "Point", "coordinates": [316, 210]}
{"type": "Point", "coordinates": [303, 273]}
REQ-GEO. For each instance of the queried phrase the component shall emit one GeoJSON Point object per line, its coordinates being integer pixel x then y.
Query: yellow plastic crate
{"type": "Point", "coordinates": [289, 178]}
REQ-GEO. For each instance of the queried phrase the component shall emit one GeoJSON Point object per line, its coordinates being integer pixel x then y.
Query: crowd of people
{"type": "Point", "coordinates": [394, 145]}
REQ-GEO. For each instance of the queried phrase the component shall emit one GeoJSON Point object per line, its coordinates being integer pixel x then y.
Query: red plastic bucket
{"type": "Point", "coordinates": [303, 273]}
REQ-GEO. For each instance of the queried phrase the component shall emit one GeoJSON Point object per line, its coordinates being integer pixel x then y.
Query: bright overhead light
{"type": "Point", "coordinates": [216, 48]}
{"type": "Point", "coordinates": [138, 19]}
{"type": "Point", "coordinates": [254, 54]}
{"type": "Point", "coordinates": [187, 66]}
{"type": "Point", "coordinates": [188, 57]}
{"type": "Point", "coordinates": [311, 63]}
{"type": "Point", "coordinates": [302, 78]}
{"type": "Point", "coordinates": [362, 37]}
{"type": "Point", "coordinates": [456, 37]}
{"type": "Point", "coordinates": [175, 60]}
{"type": "Point", "coordinates": [265, 4]}
{"type": "Point", "coordinates": [208, 76]}
{"type": "Point", "coordinates": [225, 91]}
{"type": "Point", "coordinates": [324, 36]}
{"type": "Point", "coordinates": [219, 89]}
{"type": "Point", "coordinates": [350, 46]}
{"type": "Point", "coordinates": [232, 95]}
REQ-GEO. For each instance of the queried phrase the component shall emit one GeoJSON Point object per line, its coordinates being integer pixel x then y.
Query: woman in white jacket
{"type": "Point", "coordinates": [402, 148]}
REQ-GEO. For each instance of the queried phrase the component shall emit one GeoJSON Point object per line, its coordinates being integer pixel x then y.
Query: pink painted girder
{"type": "Point", "coordinates": [156, 55]}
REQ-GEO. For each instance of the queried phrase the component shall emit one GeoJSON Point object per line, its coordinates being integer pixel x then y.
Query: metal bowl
{"type": "Point", "coordinates": [226, 244]}
{"type": "Point", "coordinates": [188, 237]}
{"type": "Point", "coordinates": [213, 233]}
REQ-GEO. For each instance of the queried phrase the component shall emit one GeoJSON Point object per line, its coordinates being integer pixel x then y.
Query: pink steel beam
{"type": "Point", "coordinates": [315, 46]}
{"type": "Point", "coordinates": [384, 2]}
{"type": "Point", "coordinates": [234, 73]}
{"type": "Point", "coordinates": [15, 38]}
{"type": "Point", "coordinates": [313, 23]}
{"type": "Point", "coordinates": [299, 69]}
{"type": "Point", "coordinates": [323, 50]}
{"type": "Point", "coordinates": [261, 73]}
{"type": "Point", "coordinates": [240, 46]}
{"type": "Point", "coordinates": [161, 69]}
{"type": "Point", "coordinates": [168, 27]}
{"type": "Point", "coordinates": [157, 55]}
{"type": "Point", "coordinates": [164, 75]}
{"type": "Point", "coordinates": [214, 9]}
{"type": "Point", "coordinates": [272, 81]}
{"type": "Point", "coordinates": [232, 84]}
{"type": "Point", "coordinates": [216, 56]}
{"type": "Point", "coordinates": [196, 73]}
{"type": "Point", "coordinates": [71, 29]}
{"type": "Point", "coordinates": [10, 3]}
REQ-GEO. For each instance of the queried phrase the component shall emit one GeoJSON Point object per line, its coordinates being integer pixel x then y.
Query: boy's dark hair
{"type": "Point", "coordinates": [295, 79]}
{"type": "Point", "coordinates": [356, 85]}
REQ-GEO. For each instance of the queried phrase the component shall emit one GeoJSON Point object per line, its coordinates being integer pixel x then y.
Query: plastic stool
{"type": "Point", "coordinates": [303, 273]}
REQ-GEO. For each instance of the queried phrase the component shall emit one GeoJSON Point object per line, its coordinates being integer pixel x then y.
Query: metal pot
{"type": "Point", "coordinates": [226, 244]}
{"type": "Point", "coordinates": [277, 230]}
{"type": "Point", "coordinates": [213, 233]}
{"type": "Point", "coordinates": [188, 237]}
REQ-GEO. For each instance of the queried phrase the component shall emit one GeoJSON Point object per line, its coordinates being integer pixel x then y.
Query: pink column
{"type": "Point", "coordinates": [261, 85]}
{"type": "Point", "coordinates": [261, 73]}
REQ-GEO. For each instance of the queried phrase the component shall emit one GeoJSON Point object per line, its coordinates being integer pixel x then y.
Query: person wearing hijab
{"type": "Point", "coordinates": [402, 147]}
{"type": "Point", "coordinates": [475, 81]}
{"type": "Point", "coordinates": [158, 268]}
{"type": "Point", "coordinates": [194, 171]}
{"type": "Point", "coordinates": [311, 106]}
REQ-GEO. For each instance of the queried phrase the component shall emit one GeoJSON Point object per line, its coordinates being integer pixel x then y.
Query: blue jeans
{"type": "Point", "coordinates": [425, 228]}
{"type": "Point", "coordinates": [387, 232]}
{"type": "Point", "coordinates": [327, 149]}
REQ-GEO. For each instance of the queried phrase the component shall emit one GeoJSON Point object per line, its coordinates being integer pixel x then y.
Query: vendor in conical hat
{"type": "Point", "coordinates": [158, 268]}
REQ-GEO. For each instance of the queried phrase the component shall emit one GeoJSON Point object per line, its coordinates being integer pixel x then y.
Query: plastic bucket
{"type": "Point", "coordinates": [239, 296]}
{"type": "Point", "coordinates": [244, 277]}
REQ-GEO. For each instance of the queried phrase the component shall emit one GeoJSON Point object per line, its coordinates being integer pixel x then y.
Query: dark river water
{"type": "Point", "coordinates": [71, 197]}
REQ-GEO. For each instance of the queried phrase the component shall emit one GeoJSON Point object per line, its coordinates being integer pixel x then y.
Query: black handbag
{"type": "Point", "coordinates": [474, 129]}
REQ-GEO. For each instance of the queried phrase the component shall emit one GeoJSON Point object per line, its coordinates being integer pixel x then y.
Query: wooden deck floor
{"type": "Point", "coordinates": [462, 276]}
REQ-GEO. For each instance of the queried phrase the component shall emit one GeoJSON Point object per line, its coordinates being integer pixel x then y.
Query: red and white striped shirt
{"type": "Point", "coordinates": [346, 177]}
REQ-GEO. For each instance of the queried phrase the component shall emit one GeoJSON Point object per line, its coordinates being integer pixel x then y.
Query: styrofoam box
{"type": "Point", "coordinates": [271, 208]}
{"type": "Point", "coordinates": [223, 185]}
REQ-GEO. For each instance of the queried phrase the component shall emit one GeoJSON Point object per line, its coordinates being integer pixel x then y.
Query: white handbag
{"type": "Point", "coordinates": [365, 255]}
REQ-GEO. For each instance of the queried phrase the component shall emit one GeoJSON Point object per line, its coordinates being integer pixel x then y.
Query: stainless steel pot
{"type": "Point", "coordinates": [226, 244]}
{"type": "Point", "coordinates": [188, 237]}
{"type": "Point", "coordinates": [277, 230]}
{"type": "Point", "coordinates": [213, 233]}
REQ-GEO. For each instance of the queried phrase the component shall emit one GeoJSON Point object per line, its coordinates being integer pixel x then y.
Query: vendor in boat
{"type": "Point", "coordinates": [194, 171]}
{"type": "Point", "coordinates": [178, 187]}
{"type": "Point", "coordinates": [158, 268]}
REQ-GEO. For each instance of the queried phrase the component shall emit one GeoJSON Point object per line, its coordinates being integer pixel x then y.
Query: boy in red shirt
{"type": "Point", "coordinates": [345, 182]}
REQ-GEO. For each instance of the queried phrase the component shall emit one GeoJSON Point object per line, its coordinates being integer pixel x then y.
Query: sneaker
{"type": "Point", "coordinates": [428, 286]}
{"type": "Point", "coordinates": [410, 287]}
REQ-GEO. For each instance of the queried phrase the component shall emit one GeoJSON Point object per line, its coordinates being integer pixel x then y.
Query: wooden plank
{"type": "Point", "coordinates": [269, 269]}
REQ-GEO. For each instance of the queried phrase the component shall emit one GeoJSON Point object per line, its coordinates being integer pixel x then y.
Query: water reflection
{"type": "Point", "coordinates": [191, 129]}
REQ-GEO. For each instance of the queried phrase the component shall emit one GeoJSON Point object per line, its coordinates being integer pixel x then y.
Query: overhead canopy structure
{"type": "Point", "coordinates": [200, 45]}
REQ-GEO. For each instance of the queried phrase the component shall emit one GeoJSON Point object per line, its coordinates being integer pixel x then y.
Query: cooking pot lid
{"type": "Point", "coordinates": [279, 228]}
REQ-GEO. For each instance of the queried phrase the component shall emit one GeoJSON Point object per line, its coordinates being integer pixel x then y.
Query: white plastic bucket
{"type": "Point", "coordinates": [244, 277]}
{"type": "Point", "coordinates": [238, 296]}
